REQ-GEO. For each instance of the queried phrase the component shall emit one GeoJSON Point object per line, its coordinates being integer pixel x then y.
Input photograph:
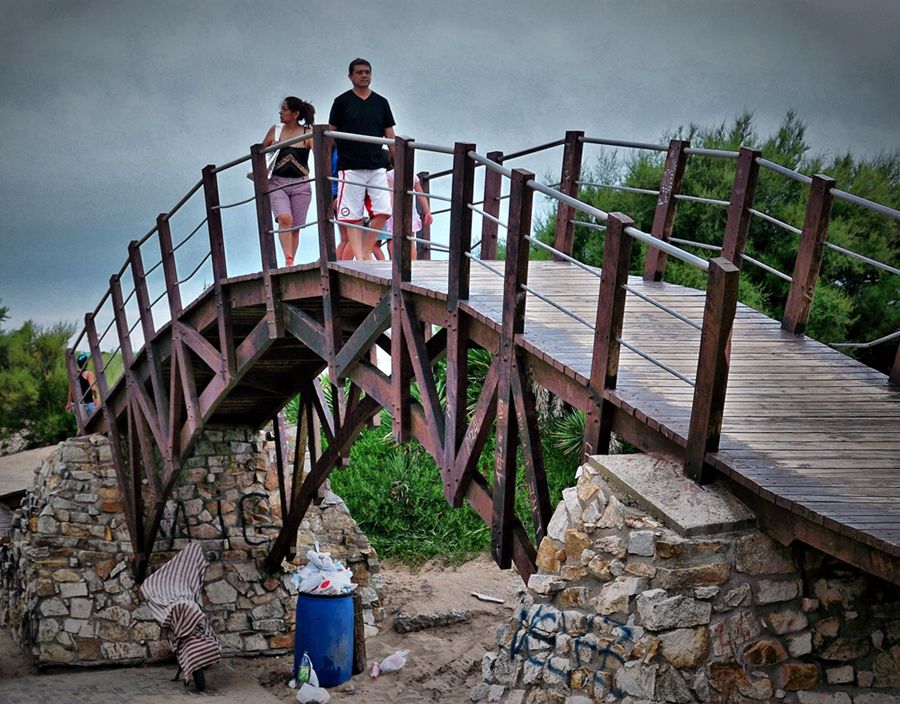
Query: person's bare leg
{"type": "Point", "coordinates": [376, 251]}
{"type": "Point", "coordinates": [295, 244]}
{"type": "Point", "coordinates": [377, 223]}
{"type": "Point", "coordinates": [357, 239]}
{"type": "Point", "coordinates": [285, 222]}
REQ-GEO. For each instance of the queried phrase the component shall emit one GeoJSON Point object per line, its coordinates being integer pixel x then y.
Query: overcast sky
{"type": "Point", "coordinates": [110, 109]}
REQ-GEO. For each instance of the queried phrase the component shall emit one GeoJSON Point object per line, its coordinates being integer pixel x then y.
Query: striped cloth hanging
{"type": "Point", "coordinates": [172, 594]}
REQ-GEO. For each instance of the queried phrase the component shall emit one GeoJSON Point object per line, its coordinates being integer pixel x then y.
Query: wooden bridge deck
{"type": "Point", "coordinates": [810, 436]}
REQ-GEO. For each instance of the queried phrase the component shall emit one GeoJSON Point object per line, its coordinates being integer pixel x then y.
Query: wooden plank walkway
{"type": "Point", "coordinates": [808, 430]}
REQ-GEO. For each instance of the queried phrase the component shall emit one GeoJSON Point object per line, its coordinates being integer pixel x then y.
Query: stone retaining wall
{"type": "Point", "coordinates": [625, 609]}
{"type": "Point", "coordinates": [68, 594]}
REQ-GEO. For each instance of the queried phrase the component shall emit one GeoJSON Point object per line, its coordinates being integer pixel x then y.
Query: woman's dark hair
{"type": "Point", "coordinates": [358, 62]}
{"type": "Point", "coordinates": [306, 110]}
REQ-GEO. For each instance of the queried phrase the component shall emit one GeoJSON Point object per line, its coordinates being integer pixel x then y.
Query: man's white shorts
{"type": "Point", "coordinates": [351, 197]}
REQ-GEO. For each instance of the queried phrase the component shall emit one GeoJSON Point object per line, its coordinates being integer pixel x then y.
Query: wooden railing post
{"type": "Point", "coordinates": [607, 332]}
{"type": "Point", "coordinates": [809, 255]}
{"type": "Point", "coordinates": [401, 366]}
{"type": "Point", "coordinates": [666, 206]}
{"type": "Point", "coordinates": [423, 251]}
{"type": "Point", "coordinates": [170, 270]}
{"type": "Point", "coordinates": [569, 176]}
{"type": "Point", "coordinates": [493, 186]}
{"type": "Point", "coordinates": [711, 381]}
{"type": "Point", "coordinates": [894, 376]}
{"type": "Point", "coordinates": [160, 391]}
{"type": "Point", "coordinates": [267, 253]}
{"type": "Point", "coordinates": [458, 266]}
{"type": "Point", "coordinates": [220, 271]}
{"type": "Point", "coordinates": [743, 190]}
{"type": "Point", "coordinates": [122, 328]}
{"type": "Point", "coordinates": [131, 495]}
{"type": "Point", "coordinates": [512, 324]}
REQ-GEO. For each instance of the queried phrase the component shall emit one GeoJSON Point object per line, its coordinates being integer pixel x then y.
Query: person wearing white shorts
{"type": "Point", "coordinates": [362, 166]}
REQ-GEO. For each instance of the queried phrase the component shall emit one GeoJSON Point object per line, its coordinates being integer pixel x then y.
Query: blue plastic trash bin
{"type": "Point", "coordinates": [324, 631]}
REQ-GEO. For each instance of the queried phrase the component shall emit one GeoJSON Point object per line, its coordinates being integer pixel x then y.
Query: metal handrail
{"type": "Point", "coordinates": [872, 262]}
{"type": "Point", "coordinates": [431, 147]}
{"type": "Point", "coordinates": [385, 234]}
{"type": "Point", "coordinates": [650, 358]}
{"type": "Point", "coordinates": [783, 170]}
{"type": "Point", "coordinates": [433, 245]}
{"type": "Point", "coordinates": [350, 137]}
{"type": "Point", "coordinates": [632, 231]}
{"type": "Point", "coordinates": [184, 199]}
{"type": "Point", "coordinates": [775, 221]}
{"type": "Point", "coordinates": [745, 257]}
{"type": "Point", "coordinates": [560, 308]}
{"type": "Point", "coordinates": [532, 150]}
{"type": "Point", "coordinates": [674, 313]}
{"type": "Point", "coordinates": [196, 269]}
{"type": "Point", "coordinates": [335, 179]}
{"type": "Point", "coordinates": [232, 163]}
{"type": "Point", "coordinates": [296, 228]}
{"type": "Point", "coordinates": [701, 199]}
{"type": "Point", "coordinates": [483, 263]}
{"type": "Point", "coordinates": [193, 232]}
{"type": "Point", "coordinates": [866, 203]}
{"type": "Point", "coordinates": [866, 345]}
{"type": "Point", "coordinates": [274, 147]}
{"type": "Point", "coordinates": [430, 196]}
{"type": "Point", "coordinates": [590, 225]}
{"type": "Point", "coordinates": [627, 189]}
{"type": "Point", "coordinates": [488, 216]}
{"type": "Point", "coordinates": [623, 143]}
{"type": "Point", "coordinates": [562, 255]}
{"type": "Point", "coordinates": [714, 153]}
{"type": "Point", "coordinates": [147, 236]}
{"type": "Point", "coordinates": [488, 164]}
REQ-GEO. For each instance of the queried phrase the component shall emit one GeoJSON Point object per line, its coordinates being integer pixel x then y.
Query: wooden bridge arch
{"type": "Point", "coordinates": [759, 411]}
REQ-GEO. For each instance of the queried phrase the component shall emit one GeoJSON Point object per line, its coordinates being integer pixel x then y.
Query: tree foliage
{"type": "Point", "coordinates": [34, 383]}
{"type": "Point", "coordinates": [854, 302]}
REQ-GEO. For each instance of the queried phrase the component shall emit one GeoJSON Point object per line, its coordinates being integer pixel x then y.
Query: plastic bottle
{"type": "Point", "coordinates": [304, 669]}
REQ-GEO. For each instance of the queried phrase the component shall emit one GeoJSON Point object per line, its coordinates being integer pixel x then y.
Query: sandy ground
{"type": "Point", "coordinates": [444, 662]}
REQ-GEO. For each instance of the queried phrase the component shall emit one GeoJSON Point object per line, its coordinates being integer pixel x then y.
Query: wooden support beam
{"type": "Point", "coordinates": [423, 251]}
{"type": "Point", "coordinates": [349, 430]}
{"type": "Point", "coordinates": [711, 381]}
{"type": "Point", "coordinates": [274, 317]}
{"type": "Point", "coordinates": [512, 324]}
{"type": "Point", "coordinates": [743, 190]}
{"type": "Point", "coordinates": [130, 494]}
{"type": "Point", "coordinates": [412, 330]}
{"type": "Point", "coordinates": [154, 367]}
{"type": "Point", "coordinates": [278, 430]}
{"type": "Point", "coordinates": [119, 315]}
{"type": "Point", "coordinates": [458, 476]}
{"type": "Point", "coordinates": [607, 332]}
{"type": "Point", "coordinates": [401, 272]}
{"type": "Point", "coordinates": [493, 190]}
{"type": "Point", "coordinates": [306, 329]}
{"type": "Point", "coordinates": [254, 345]}
{"type": "Point", "coordinates": [666, 206]}
{"type": "Point", "coordinates": [220, 271]}
{"type": "Point", "coordinates": [328, 278]}
{"type": "Point", "coordinates": [570, 173]}
{"type": "Point", "coordinates": [457, 331]}
{"type": "Point", "coordinates": [362, 339]}
{"type": "Point", "coordinates": [199, 345]}
{"type": "Point", "coordinates": [532, 453]}
{"type": "Point", "coordinates": [809, 255]}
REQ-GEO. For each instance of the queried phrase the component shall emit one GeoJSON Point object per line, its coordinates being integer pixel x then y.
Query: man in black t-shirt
{"type": "Point", "coordinates": [362, 166]}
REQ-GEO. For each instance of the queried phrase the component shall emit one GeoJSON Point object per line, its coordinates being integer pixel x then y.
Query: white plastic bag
{"type": "Point", "coordinates": [391, 663]}
{"type": "Point", "coordinates": [322, 575]}
{"type": "Point", "coordinates": [308, 694]}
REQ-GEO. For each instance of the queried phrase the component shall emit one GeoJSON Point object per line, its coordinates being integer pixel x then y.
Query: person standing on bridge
{"type": "Point", "coordinates": [362, 166]}
{"type": "Point", "coordinates": [289, 189]}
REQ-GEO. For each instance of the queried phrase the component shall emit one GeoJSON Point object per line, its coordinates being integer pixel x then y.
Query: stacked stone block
{"type": "Point", "coordinates": [66, 587]}
{"type": "Point", "coordinates": [623, 609]}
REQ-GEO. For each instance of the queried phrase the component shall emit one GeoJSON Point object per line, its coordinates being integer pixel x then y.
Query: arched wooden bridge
{"type": "Point", "coordinates": [805, 435]}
